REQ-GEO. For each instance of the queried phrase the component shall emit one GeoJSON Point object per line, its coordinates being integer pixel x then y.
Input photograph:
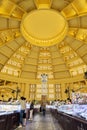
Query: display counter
{"type": "Point", "coordinates": [9, 116]}
{"type": "Point", "coordinates": [71, 122]}
{"type": "Point", "coordinates": [9, 121]}
{"type": "Point", "coordinates": [70, 116]}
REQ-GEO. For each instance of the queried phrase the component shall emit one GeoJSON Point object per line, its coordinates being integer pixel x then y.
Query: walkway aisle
{"type": "Point", "coordinates": [42, 123]}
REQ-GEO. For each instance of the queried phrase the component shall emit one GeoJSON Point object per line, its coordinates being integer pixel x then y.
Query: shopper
{"type": "Point", "coordinates": [44, 109]}
{"type": "Point", "coordinates": [31, 110]}
{"type": "Point", "coordinates": [22, 102]}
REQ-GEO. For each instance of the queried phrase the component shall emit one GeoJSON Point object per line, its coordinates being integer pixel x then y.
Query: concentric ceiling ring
{"type": "Point", "coordinates": [44, 27]}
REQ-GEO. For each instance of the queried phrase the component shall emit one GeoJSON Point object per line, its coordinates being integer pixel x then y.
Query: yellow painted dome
{"type": "Point", "coordinates": [44, 27]}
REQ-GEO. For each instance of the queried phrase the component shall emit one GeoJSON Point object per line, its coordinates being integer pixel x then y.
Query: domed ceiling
{"type": "Point", "coordinates": [43, 36]}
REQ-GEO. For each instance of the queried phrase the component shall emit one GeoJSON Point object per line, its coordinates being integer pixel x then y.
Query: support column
{"type": "Point", "coordinates": [26, 92]}
{"type": "Point", "coordinates": [71, 88]}
{"type": "Point", "coordinates": [22, 89]}
{"type": "Point", "coordinates": [63, 94]}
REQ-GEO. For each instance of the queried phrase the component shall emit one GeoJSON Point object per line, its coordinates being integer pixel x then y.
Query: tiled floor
{"type": "Point", "coordinates": [41, 122]}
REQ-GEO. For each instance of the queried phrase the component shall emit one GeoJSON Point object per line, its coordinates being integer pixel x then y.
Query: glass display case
{"type": "Point", "coordinates": [8, 108]}
{"type": "Point", "coordinates": [79, 110]}
{"type": "Point", "coordinates": [66, 108]}
{"type": "Point", "coordinates": [84, 114]}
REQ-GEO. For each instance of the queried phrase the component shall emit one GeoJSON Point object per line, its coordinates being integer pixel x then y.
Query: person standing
{"type": "Point", "coordinates": [22, 111]}
{"type": "Point", "coordinates": [31, 110]}
{"type": "Point", "coordinates": [44, 109]}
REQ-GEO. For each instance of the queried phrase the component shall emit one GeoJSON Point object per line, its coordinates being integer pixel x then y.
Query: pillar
{"type": "Point", "coordinates": [63, 94]}
{"type": "Point", "coordinates": [26, 91]}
